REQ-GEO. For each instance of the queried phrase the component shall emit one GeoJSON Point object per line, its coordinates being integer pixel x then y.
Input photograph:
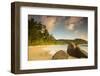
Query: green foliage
{"type": "Point", "coordinates": [38, 34]}
{"type": "Point", "coordinates": [76, 41]}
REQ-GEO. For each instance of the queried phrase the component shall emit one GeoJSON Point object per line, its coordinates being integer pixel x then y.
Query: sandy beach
{"type": "Point", "coordinates": [37, 53]}
{"type": "Point", "coordinates": [41, 53]}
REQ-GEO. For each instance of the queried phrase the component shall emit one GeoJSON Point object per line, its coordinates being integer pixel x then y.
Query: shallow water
{"type": "Point", "coordinates": [54, 48]}
{"type": "Point", "coordinates": [84, 47]}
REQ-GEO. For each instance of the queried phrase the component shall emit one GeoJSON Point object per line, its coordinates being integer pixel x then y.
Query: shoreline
{"type": "Point", "coordinates": [41, 52]}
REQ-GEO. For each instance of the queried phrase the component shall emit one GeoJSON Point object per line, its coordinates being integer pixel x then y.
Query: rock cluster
{"type": "Point", "coordinates": [73, 50]}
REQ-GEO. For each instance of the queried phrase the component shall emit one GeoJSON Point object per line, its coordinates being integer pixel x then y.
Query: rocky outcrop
{"type": "Point", "coordinates": [75, 51]}
{"type": "Point", "coordinates": [60, 55]}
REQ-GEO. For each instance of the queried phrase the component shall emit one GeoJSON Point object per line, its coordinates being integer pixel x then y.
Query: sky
{"type": "Point", "coordinates": [64, 27]}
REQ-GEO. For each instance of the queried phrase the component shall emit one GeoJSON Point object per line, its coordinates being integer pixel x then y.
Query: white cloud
{"type": "Point", "coordinates": [71, 27]}
{"type": "Point", "coordinates": [49, 22]}
{"type": "Point", "coordinates": [72, 22]}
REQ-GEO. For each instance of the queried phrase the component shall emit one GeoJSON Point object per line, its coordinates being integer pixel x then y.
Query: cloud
{"type": "Point", "coordinates": [49, 22]}
{"type": "Point", "coordinates": [81, 35]}
{"type": "Point", "coordinates": [76, 32]}
{"type": "Point", "coordinates": [72, 22]}
{"type": "Point", "coordinates": [71, 27]}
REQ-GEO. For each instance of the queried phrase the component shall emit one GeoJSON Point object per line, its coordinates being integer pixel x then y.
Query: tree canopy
{"type": "Point", "coordinates": [38, 34]}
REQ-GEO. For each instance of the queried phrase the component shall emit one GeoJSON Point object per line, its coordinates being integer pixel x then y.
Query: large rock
{"type": "Point", "coordinates": [75, 51]}
{"type": "Point", "coordinates": [60, 55]}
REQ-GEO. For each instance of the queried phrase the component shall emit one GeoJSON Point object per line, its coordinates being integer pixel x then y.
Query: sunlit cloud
{"type": "Point", "coordinates": [49, 22]}
{"type": "Point", "coordinates": [72, 22]}
{"type": "Point", "coordinates": [71, 27]}
{"type": "Point", "coordinates": [64, 27]}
